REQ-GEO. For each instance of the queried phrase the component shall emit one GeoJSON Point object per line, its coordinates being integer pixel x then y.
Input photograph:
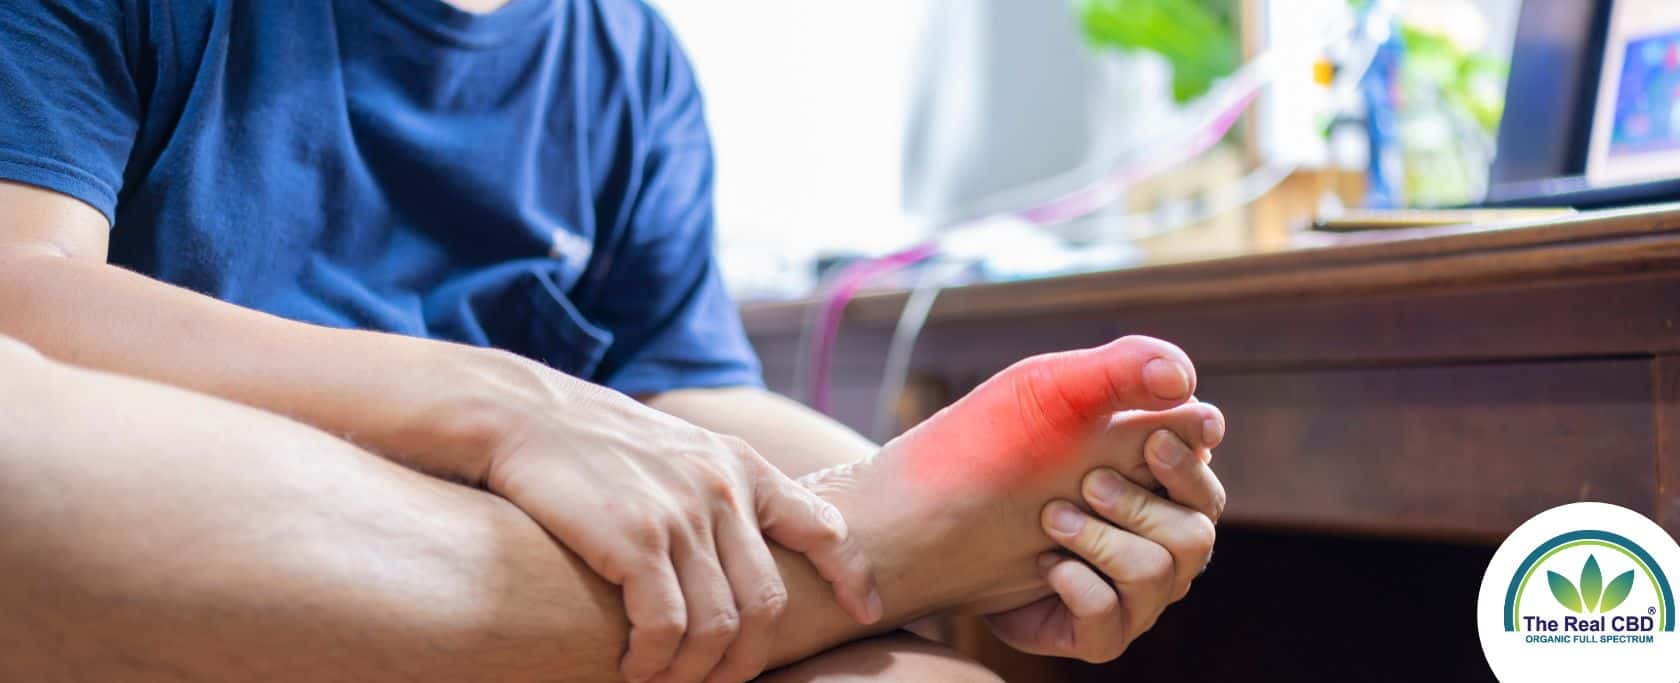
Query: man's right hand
{"type": "Point", "coordinates": [677, 516]}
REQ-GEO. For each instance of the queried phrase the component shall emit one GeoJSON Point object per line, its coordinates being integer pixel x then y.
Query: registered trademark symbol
{"type": "Point", "coordinates": [1650, 610]}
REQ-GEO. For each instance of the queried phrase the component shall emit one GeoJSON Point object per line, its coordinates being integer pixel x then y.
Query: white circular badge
{"type": "Point", "coordinates": [1582, 592]}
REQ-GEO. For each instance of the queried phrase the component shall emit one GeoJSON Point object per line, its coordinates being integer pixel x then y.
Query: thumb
{"type": "Point", "coordinates": [799, 520]}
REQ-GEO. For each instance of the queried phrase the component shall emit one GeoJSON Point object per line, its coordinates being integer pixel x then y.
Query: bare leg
{"type": "Point", "coordinates": [148, 533]}
{"type": "Point", "coordinates": [893, 658]}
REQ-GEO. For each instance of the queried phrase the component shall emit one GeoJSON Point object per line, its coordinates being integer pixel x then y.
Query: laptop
{"type": "Point", "coordinates": [1592, 107]}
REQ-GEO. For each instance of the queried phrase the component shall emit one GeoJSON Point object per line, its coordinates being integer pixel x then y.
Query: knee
{"type": "Point", "coordinates": [896, 658]}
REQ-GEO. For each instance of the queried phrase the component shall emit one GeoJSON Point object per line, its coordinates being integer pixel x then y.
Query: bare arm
{"type": "Point", "coordinates": [238, 545]}
{"type": "Point", "coordinates": [557, 447]}
{"type": "Point", "coordinates": [432, 405]}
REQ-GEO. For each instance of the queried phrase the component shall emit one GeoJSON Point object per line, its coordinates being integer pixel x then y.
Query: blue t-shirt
{"type": "Point", "coordinates": [537, 179]}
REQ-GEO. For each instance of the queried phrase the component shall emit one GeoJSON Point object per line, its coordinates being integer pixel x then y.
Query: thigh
{"type": "Point", "coordinates": [897, 657]}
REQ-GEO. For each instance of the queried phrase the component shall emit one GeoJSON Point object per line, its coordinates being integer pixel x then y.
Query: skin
{"type": "Point", "coordinates": [483, 417]}
{"type": "Point", "coordinates": [478, 416]}
{"type": "Point", "coordinates": [694, 540]}
{"type": "Point", "coordinates": [272, 550]}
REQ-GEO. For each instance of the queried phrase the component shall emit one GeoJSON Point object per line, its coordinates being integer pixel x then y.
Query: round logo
{"type": "Point", "coordinates": [1582, 590]}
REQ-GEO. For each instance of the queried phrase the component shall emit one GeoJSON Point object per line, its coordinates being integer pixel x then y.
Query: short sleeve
{"type": "Point", "coordinates": [67, 98]}
{"type": "Point", "coordinates": [662, 298]}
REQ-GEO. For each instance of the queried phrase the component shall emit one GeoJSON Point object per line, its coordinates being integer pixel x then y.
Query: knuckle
{"type": "Point", "coordinates": [1202, 535]}
{"type": "Point", "coordinates": [1103, 547]}
{"type": "Point", "coordinates": [771, 602]}
{"type": "Point", "coordinates": [646, 533]}
{"type": "Point", "coordinates": [1219, 501]}
{"type": "Point", "coordinates": [1134, 509]}
{"type": "Point", "coordinates": [694, 521]}
{"type": "Point", "coordinates": [1151, 564]}
{"type": "Point", "coordinates": [720, 626]}
{"type": "Point", "coordinates": [1156, 561]}
{"type": "Point", "coordinates": [665, 629]}
{"type": "Point", "coordinates": [718, 488]}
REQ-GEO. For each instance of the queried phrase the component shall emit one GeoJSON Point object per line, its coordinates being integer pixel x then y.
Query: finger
{"type": "Point", "coordinates": [713, 620]}
{"type": "Point", "coordinates": [1098, 629]}
{"type": "Point", "coordinates": [1189, 481]}
{"type": "Point", "coordinates": [1186, 534]}
{"type": "Point", "coordinates": [1140, 569]}
{"type": "Point", "coordinates": [1200, 426]}
{"type": "Point", "coordinates": [800, 521]}
{"type": "Point", "coordinates": [760, 596]}
{"type": "Point", "coordinates": [658, 617]}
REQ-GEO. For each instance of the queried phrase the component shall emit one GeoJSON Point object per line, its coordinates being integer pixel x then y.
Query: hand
{"type": "Point", "coordinates": [1150, 554]}
{"type": "Point", "coordinates": [678, 517]}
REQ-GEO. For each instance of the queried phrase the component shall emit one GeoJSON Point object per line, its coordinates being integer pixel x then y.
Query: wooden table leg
{"type": "Point", "coordinates": [1665, 384]}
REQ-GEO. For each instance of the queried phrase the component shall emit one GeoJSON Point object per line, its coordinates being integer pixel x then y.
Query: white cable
{"type": "Point", "coordinates": [895, 374]}
{"type": "Point", "coordinates": [1253, 75]}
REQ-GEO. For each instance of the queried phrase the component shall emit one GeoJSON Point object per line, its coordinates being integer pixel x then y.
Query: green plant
{"type": "Point", "coordinates": [1197, 37]}
{"type": "Point", "coordinates": [1593, 595]}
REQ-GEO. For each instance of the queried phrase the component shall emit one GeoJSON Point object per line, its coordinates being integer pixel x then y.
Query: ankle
{"type": "Point", "coordinates": [932, 553]}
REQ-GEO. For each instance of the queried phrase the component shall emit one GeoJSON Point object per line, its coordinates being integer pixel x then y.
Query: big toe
{"type": "Point", "coordinates": [1130, 373]}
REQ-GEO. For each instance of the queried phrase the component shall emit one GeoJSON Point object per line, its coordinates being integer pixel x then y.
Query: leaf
{"type": "Point", "coordinates": [1617, 591]}
{"type": "Point", "coordinates": [1564, 591]}
{"type": "Point", "coordinates": [1592, 583]}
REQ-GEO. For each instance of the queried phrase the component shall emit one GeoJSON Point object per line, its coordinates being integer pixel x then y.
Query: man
{"type": "Point", "coordinates": [400, 186]}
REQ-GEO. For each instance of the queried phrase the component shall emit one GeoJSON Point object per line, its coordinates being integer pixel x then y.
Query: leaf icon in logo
{"type": "Point", "coordinates": [1564, 591]}
{"type": "Point", "coordinates": [1592, 583]}
{"type": "Point", "coordinates": [1617, 591]}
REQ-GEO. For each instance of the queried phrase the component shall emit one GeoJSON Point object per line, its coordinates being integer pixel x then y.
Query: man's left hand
{"type": "Point", "coordinates": [1147, 549]}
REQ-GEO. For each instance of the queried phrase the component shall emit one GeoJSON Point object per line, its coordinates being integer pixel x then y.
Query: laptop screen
{"type": "Point", "coordinates": [1636, 123]}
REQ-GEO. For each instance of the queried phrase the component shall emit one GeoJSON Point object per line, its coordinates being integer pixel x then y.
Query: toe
{"type": "Point", "coordinates": [1131, 373]}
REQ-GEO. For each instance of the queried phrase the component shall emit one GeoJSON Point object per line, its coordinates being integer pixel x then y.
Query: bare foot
{"type": "Point", "coordinates": [954, 504]}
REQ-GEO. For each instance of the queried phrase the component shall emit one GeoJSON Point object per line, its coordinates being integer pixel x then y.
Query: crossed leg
{"type": "Point", "coordinates": [149, 533]}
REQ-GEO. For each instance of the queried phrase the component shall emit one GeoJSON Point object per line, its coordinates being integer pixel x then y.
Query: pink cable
{"type": "Point", "coordinates": [846, 285]}
{"type": "Point", "coordinates": [1066, 207]}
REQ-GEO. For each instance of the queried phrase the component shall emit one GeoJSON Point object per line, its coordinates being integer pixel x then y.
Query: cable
{"type": "Point", "coordinates": [846, 285]}
{"type": "Point", "coordinates": [919, 305]}
{"type": "Point", "coordinates": [896, 372]}
{"type": "Point", "coordinates": [1214, 114]}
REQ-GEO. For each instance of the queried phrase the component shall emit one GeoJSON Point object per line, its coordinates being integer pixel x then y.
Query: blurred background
{"type": "Point", "coordinates": [1245, 178]}
{"type": "Point", "coordinates": [856, 129]}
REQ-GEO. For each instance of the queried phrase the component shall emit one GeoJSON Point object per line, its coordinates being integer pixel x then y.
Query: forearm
{"type": "Point", "coordinates": [794, 438]}
{"type": "Point", "coordinates": [424, 402]}
{"type": "Point", "coordinates": [239, 545]}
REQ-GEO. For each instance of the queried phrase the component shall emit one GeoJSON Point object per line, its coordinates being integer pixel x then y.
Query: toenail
{"type": "Point", "coordinates": [1166, 379]}
{"type": "Point", "coordinates": [1167, 448]}
{"type": "Point", "coordinates": [1064, 518]}
{"type": "Point", "coordinates": [1105, 486]}
{"type": "Point", "coordinates": [1213, 431]}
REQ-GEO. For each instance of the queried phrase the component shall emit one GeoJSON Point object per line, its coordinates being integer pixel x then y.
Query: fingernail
{"type": "Point", "coordinates": [1065, 519]}
{"type": "Point", "coordinates": [1167, 448]}
{"type": "Point", "coordinates": [873, 606]}
{"type": "Point", "coordinates": [1166, 379]}
{"type": "Point", "coordinates": [1104, 485]}
{"type": "Point", "coordinates": [1213, 431]}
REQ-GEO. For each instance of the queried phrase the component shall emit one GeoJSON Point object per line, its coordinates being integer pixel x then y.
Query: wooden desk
{"type": "Point", "coordinates": [1433, 386]}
